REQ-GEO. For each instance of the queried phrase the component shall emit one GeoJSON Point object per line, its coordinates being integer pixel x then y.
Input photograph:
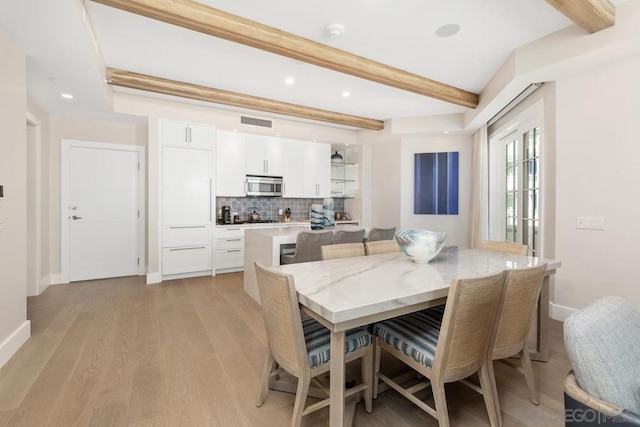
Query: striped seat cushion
{"type": "Point", "coordinates": [415, 334]}
{"type": "Point", "coordinates": [318, 340]}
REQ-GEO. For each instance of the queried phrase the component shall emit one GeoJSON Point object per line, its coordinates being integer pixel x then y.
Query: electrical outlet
{"type": "Point", "coordinates": [590, 223]}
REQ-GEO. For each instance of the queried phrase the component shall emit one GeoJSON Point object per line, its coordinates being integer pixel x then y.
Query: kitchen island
{"type": "Point", "coordinates": [265, 245]}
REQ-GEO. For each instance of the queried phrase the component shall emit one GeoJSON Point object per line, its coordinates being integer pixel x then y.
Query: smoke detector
{"type": "Point", "coordinates": [334, 30]}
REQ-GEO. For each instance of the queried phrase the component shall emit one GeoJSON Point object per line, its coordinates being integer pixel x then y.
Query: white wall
{"type": "Point", "coordinates": [598, 174]}
{"type": "Point", "coordinates": [386, 184]}
{"type": "Point", "coordinates": [83, 130]}
{"type": "Point", "coordinates": [456, 226]}
{"type": "Point", "coordinates": [14, 326]}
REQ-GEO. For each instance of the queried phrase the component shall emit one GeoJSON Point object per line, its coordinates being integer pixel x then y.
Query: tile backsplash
{"type": "Point", "coordinates": [268, 207]}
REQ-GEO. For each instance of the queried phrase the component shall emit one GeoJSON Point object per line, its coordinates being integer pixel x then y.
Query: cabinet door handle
{"type": "Point", "coordinates": [188, 226]}
{"type": "Point", "coordinates": [233, 240]}
{"type": "Point", "coordinates": [186, 249]}
{"type": "Point", "coordinates": [284, 188]}
{"type": "Point", "coordinates": [186, 134]}
{"type": "Point", "coordinates": [210, 188]}
{"type": "Point", "coordinates": [189, 134]}
{"type": "Point", "coordinates": [233, 229]}
{"type": "Point", "coordinates": [234, 250]}
{"type": "Point", "coordinates": [267, 163]}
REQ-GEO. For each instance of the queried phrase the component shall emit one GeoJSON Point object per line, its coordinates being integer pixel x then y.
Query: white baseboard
{"type": "Point", "coordinates": [153, 278]}
{"type": "Point", "coordinates": [560, 312]}
{"type": "Point", "coordinates": [44, 284]}
{"type": "Point", "coordinates": [56, 279]}
{"type": "Point", "coordinates": [12, 344]}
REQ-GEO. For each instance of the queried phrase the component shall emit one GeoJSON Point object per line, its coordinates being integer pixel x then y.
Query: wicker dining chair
{"type": "Point", "coordinates": [348, 236]}
{"type": "Point", "coordinates": [376, 234]}
{"type": "Point", "coordinates": [301, 346]}
{"type": "Point", "coordinates": [521, 290]}
{"type": "Point", "coordinates": [308, 244]}
{"type": "Point", "coordinates": [506, 247]}
{"type": "Point", "coordinates": [448, 351]}
{"type": "Point", "coordinates": [344, 250]}
{"type": "Point", "coordinates": [381, 247]}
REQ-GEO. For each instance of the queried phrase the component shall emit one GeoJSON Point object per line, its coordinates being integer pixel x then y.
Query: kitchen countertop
{"type": "Point", "coordinates": [281, 224]}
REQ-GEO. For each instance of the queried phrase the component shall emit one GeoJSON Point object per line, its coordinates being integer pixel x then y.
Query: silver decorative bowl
{"type": "Point", "coordinates": [421, 245]}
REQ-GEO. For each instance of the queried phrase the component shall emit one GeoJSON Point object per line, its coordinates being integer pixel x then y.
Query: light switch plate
{"type": "Point", "coordinates": [590, 223]}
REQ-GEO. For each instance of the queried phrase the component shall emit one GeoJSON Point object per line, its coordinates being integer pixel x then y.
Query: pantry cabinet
{"type": "Point", "coordinates": [187, 199]}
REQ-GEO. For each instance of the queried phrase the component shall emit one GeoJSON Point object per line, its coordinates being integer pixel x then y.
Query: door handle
{"type": "Point", "coordinates": [75, 217]}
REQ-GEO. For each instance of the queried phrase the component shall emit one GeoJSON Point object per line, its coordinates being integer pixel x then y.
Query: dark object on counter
{"type": "Point", "coordinates": [261, 221]}
{"type": "Point", "coordinates": [237, 220]}
{"type": "Point", "coordinates": [226, 215]}
{"type": "Point", "coordinates": [376, 234]}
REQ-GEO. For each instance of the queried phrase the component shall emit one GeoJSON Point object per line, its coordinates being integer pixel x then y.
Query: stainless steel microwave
{"type": "Point", "coordinates": [265, 186]}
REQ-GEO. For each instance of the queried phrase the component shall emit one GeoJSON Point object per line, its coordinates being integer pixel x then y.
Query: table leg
{"type": "Point", "coordinates": [542, 345]}
{"type": "Point", "coordinates": [336, 408]}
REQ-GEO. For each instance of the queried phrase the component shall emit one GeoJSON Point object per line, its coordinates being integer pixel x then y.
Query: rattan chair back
{"type": "Point", "coordinates": [344, 250]}
{"type": "Point", "coordinates": [282, 320]}
{"type": "Point", "coordinates": [381, 247]}
{"type": "Point", "coordinates": [467, 331]}
{"type": "Point", "coordinates": [506, 247]}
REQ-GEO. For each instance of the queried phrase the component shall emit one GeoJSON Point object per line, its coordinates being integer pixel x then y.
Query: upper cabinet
{"type": "Point", "coordinates": [293, 168]}
{"type": "Point", "coordinates": [230, 164]}
{"type": "Point", "coordinates": [186, 135]}
{"type": "Point", "coordinates": [317, 170]}
{"type": "Point", "coordinates": [264, 155]}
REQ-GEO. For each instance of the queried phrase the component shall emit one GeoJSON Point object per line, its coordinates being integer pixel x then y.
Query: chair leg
{"type": "Point", "coordinates": [376, 366]}
{"type": "Point", "coordinates": [490, 393]}
{"type": "Point", "coordinates": [301, 398]}
{"type": "Point", "coordinates": [264, 381]}
{"type": "Point", "coordinates": [366, 369]}
{"type": "Point", "coordinates": [525, 359]}
{"type": "Point", "coordinates": [441, 403]}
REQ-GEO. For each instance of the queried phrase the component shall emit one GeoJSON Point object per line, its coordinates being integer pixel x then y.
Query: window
{"type": "Point", "coordinates": [514, 182]}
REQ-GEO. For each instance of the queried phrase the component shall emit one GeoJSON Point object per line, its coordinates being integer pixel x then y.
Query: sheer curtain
{"type": "Point", "coordinates": [479, 213]}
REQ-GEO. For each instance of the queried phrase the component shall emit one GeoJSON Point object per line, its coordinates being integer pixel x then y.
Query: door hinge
{"type": "Point", "coordinates": [138, 165]}
{"type": "Point", "coordinates": [138, 260]}
{"type": "Point", "coordinates": [138, 213]}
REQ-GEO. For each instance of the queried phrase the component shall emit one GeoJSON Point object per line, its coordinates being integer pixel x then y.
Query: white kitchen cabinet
{"type": "Point", "coordinates": [186, 186]}
{"type": "Point", "coordinates": [185, 260]}
{"type": "Point", "coordinates": [186, 135]}
{"type": "Point", "coordinates": [317, 170]}
{"type": "Point", "coordinates": [230, 164]}
{"type": "Point", "coordinates": [263, 155]}
{"type": "Point", "coordinates": [229, 249]}
{"type": "Point", "coordinates": [293, 168]}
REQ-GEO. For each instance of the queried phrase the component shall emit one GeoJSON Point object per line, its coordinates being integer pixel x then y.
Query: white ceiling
{"type": "Point", "coordinates": [59, 46]}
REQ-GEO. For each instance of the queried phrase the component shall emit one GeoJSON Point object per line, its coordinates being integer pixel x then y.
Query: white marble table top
{"type": "Point", "coordinates": [342, 290]}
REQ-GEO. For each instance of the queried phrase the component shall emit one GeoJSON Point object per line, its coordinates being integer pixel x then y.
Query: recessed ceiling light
{"type": "Point", "coordinates": [346, 145]}
{"type": "Point", "coordinates": [277, 134]}
{"type": "Point", "coordinates": [289, 80]}
{"type": "Point", "coordinates": [448, 30]}
{"type": "Point", "coordinates": [235, 130]}
{"type": "Point", "coordinates": [446, 132]}
{"type": "Point", "coordinates": [315, 140]}
{"type": "Point", "coordinates": [66, 95]}
{"type": "Point", "coordinates": [346, 94]}
{"type": "Point", "coordinates": [334, 30]}
{"type": "Point", "coordinates": [53, 79]}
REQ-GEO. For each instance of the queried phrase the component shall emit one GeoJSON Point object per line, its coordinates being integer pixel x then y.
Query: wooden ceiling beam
{"type": "Point", "coordinates": [202, 93]}
{"type": "Point", "coordinates": [591, 15]}
{"type": "Point", "coordinates": [205, 19]}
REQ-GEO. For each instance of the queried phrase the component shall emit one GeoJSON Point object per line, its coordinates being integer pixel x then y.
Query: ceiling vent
{"type": "Point", "coordinates": [256, 122]}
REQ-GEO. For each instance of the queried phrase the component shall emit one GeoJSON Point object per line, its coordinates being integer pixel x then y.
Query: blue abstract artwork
{"type": "Point", "coordinates": [436, 183]}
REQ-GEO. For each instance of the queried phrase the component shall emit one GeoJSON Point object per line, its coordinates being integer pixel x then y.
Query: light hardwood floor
{"type": "Point", "coordinates": [117, 352]}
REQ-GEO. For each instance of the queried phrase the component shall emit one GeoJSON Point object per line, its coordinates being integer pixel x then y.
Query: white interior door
{"type": "Point", "coordinates": [103, 213]}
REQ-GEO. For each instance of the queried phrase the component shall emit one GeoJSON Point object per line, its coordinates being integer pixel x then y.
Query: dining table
{"type": "Point", "coordinates": [346, 293]}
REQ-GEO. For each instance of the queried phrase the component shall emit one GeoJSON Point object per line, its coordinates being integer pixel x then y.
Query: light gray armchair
{"type": "Point", "coordinates": [308, 247]}
{"type": "Point", "coordinates": [602, 344]}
